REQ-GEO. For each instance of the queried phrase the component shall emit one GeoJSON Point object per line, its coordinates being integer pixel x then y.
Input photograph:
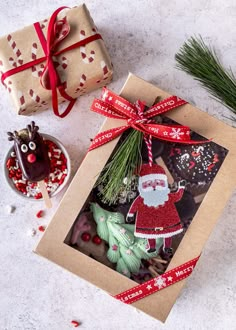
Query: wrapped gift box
{"type": "Point", "coordinates": [81, 70]}
{"type": "Point", "coordinates": [208, 202]}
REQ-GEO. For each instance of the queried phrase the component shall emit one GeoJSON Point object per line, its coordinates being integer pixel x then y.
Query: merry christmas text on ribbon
{"type": "Point", "coordinates": [158, 283]}
{"type": "Point", "coordinates": [57, 31]}
{"type": "Point", "coordinates": [114, 106]}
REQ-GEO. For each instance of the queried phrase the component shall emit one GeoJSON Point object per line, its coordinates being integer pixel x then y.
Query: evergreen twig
{"type": "Point", "coordinates": [201, 62]}
{"type": "Point", "coordinates": [123, 164]}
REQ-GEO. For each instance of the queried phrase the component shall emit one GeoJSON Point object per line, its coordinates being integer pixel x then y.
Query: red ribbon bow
{"type": "Point", "coordinates": [56, 33]}
{"type": "Point", "coordinates": [114, 106]}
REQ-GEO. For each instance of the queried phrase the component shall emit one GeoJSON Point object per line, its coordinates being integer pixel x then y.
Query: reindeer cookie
{"type": "Point", "coordinates": [31, 152]}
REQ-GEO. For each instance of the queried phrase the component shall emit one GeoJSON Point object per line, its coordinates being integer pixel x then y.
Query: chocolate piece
{"type": "Point", "coordinates": [31, 153]}
{"type": "Point", "coordinates": [198, 164]}
{"type": "Point", "coordinates": [186, 207]}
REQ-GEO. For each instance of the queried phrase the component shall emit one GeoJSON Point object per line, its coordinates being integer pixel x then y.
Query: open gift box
{"type": "Point", "coordinates": [207, 199]}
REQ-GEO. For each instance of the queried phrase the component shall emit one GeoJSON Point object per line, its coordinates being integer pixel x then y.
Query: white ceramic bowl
{"type": "Point", "coordinates": [60, 145]}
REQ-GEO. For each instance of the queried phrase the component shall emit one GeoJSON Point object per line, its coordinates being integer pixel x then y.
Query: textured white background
{"type": "Point", "coordinates": [142, 37]}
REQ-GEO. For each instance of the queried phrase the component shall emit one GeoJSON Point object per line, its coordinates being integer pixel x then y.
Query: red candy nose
{"type": "Point", "coordinates": [31, 158]}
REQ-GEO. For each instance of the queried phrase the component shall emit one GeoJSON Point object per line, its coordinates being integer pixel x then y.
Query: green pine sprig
{"type": "Point", "coordinates": [117, 174]}
{"type": "Point", "coordinates": [201, 62]}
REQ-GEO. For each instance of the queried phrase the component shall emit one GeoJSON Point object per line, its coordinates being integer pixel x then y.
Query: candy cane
{"type": "Point", "coordinates": [42, 24]}
{"type": "Point", "coordinates": [192, 164]}
{"type": "Point", "coordinates": [7, 84]}
{"type": "Point", "coordinates": [37, 70]}
{"type": "Point", "coordinates": [37, 99]}
{"type": "Point", "coordinates": [22, 102]}
{"type": "Point", "coordinates": [216, 158]}
{"type": "Point", "coordinates": [201, 148]}
{"type": "Point", "coordinates": [81, 83]}
{"type": "Point", "coordinates": [16, 50]}
{"type": "Point", "coordinates": [12, 62]}
{"type": "Point", "coordinates": [34, 96]}
{"type": "Point", "coordinates": [86, 59]}
{"type": "Point", "coordinates": [185, 156]}
{"type": "Point", "coordinates": [61, 65]}
{"type": "Point", "coordinates": [105, 72]}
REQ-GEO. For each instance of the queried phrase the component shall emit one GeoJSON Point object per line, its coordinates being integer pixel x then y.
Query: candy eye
{"type": "Point", "coordinates": [32, 145]}
{"type": "Point", "coordinates": [24, 148]}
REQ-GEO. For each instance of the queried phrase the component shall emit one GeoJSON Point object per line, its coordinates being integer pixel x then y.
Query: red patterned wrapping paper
{"type": "Point", "coordinates": [81, 70]}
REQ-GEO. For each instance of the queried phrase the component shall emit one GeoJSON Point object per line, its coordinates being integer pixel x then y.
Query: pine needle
{"type": "Point", "coordinates": [121, 168]}
{"type": "Point", "coordinates": [201, 62]}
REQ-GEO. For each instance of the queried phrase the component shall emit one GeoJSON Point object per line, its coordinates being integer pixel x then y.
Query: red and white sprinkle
{"type": "Point", "coordinates": [40, 214]}
{"type": "Point", "coordinates": [10, 209]}
{"type": "Point", "coordinates": [41, 228]}
{"type": "Point", "coordinates": [56, 178]}
{"type": "Point", "coordinates": [31, 232]}
{"type": "Point", "coordinates": [75, 323]}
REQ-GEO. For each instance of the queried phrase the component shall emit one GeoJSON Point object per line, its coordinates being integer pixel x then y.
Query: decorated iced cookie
{"type": "Point", "coordinates": [198, 164]}
{"type": "Point", "coordinates": [125, 250]}
{"type": "Point", "coordinates": [186, 208]}
{"type": "Point", "coordinates": [154, 208]}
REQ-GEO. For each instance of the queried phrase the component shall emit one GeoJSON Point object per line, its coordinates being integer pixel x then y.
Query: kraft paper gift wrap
{"type": "Point", "coordinates": [54, 245]}
{"type": "Point", "coordinates": [81, 70]}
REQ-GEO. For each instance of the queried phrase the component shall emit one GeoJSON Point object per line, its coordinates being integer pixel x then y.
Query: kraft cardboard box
{"type": "Point", "coordinates": [55, 243]}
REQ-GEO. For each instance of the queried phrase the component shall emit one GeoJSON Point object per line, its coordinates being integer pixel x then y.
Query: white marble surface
{"type": "Point", "coordinates": [142, 37]}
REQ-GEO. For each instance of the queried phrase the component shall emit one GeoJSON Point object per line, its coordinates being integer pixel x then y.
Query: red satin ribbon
{"type": "Point", "coordinates": [57, 32]}
{"type": "Point", "coordinates": [158, 283]}
{"type": "Point", "coordinates": [114, 106]}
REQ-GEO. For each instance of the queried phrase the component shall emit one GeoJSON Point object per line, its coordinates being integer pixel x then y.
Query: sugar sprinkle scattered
{"type": "Point", "coordinates": [40, 214]}
{"type": "Point", "coordinates": [10, 209]}
{"type": "Point", "coordinates": [41, 228]}
{"type": "Point", "coordinates": [75, 323]}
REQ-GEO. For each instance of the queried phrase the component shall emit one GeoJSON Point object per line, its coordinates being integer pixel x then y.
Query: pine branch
{"type": "Point", "coordinates": [122, 166]}
{"type": "Point", "coordinates": [201, 62]}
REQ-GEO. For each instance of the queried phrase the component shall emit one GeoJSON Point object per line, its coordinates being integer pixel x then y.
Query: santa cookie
{"type": "Point", "coordinates": [156, 214]}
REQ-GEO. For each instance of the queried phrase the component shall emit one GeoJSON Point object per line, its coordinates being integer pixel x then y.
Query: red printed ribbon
{"type": "Point", "coordinates": [57, 32]}
{"type": "Point", "coordinates": [158, 283]}
{"type": "Point", "coordinates": [114, 106]}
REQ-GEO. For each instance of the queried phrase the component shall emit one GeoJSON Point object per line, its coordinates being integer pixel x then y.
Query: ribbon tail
{"type": "Point", "coordinates": [68, 98]}
{"type": "Point", "coordinates": [119, 104]}
{"type": "Point", "coordinates": [107, 136]}
{"type": "Point", "coordinates": [173, 133]}
{"type": "Point", "coordinates": [158, 283]}
{"type": "Point", "coordinates": [182, 141]}
{"type": "Point", "coordinates": [106, 109]}
{"type": "Point", "coordinates": [166, 105]}
{"type": "Point", "coordinates": [66, 111]}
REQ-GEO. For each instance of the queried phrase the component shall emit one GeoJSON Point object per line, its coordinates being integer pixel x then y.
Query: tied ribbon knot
{"type": "Point", "coordinates": [57, 31]}
{"type": "Point", "coordinates": [140, 118]}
